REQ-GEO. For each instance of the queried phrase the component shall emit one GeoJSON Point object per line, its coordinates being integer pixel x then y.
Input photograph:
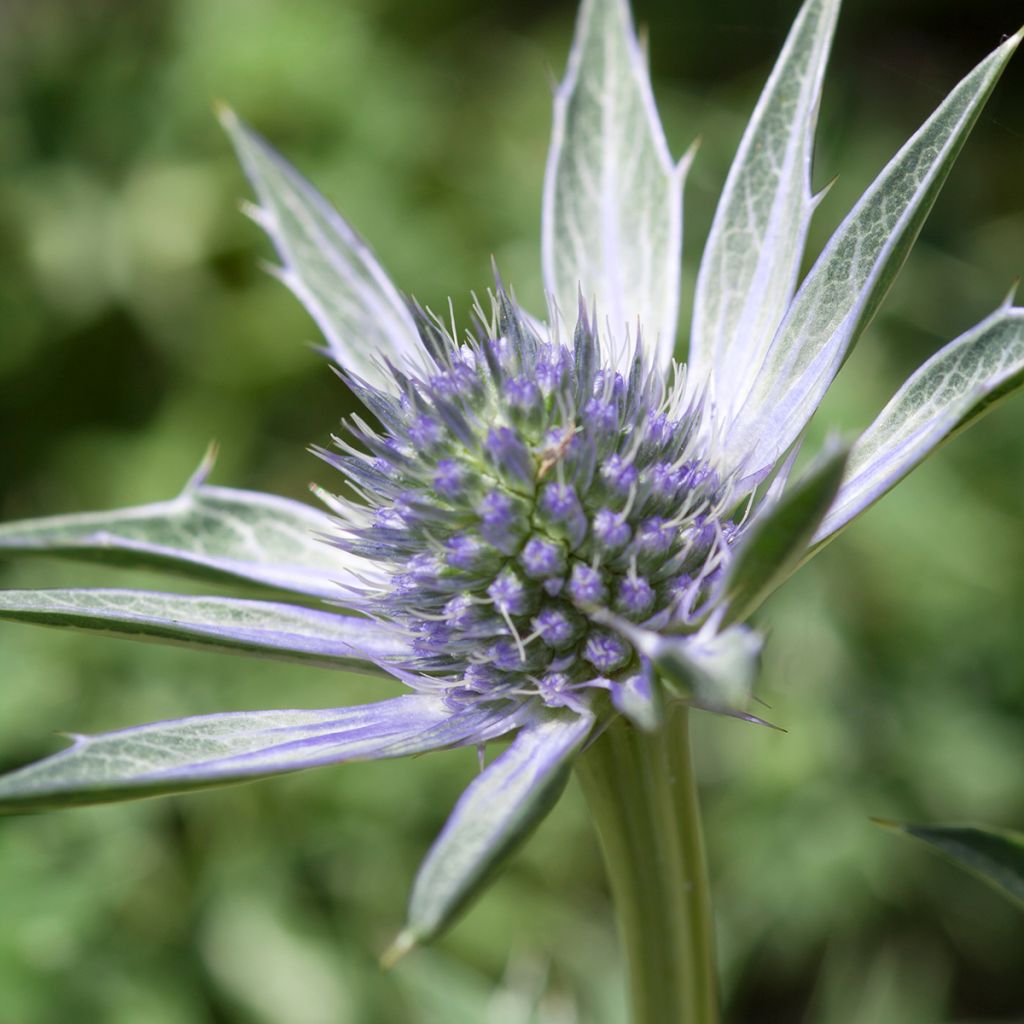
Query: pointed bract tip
{"type": "Point", "coordinates": [820, 195]}
{"type": "Point", "coordinates": [1011, 294]}
{"type": "Point", "coordinates": [204, 469]}
{"type": "Point", "coordinates": [684, 162]}
{"type": "Point", "coordinates": [888, 823]}
{"type": "Point", "coordinates": [404, 944]}
{"type": "Point", "coordinates": [227, 117]}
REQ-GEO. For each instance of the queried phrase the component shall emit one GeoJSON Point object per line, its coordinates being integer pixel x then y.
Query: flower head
{"type": "Point", "coordinates": [546, 522]}
{"type": "Point", "coordinates": [512, 518]}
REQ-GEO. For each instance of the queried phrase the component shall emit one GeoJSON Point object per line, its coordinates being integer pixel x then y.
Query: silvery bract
{"type": "Point", "coordinates": [544, 522]}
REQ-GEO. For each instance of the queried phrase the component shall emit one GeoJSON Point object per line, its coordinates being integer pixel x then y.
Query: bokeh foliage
{"type": "Point", "coordinates": [137, 326]}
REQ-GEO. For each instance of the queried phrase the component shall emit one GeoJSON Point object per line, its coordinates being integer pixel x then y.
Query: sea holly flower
{"type": "Point", "coordinates": [544, 526]}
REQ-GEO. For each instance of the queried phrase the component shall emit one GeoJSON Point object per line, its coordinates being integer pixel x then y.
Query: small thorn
{"type": "Point", "coordinates": [818, 196]}
{"type": "Point", "coordinates": [754, 720]}
{"type": "Point", "coordinates": [684, 162]}
{"type": "Point", "coordinates": [203, 470]}
{"type": "Point", "coordinates": [227, 117]}
{"type": "Point", "coordinates": [888, 823]}
{"type": "Point", "coordinates": [403, 945]}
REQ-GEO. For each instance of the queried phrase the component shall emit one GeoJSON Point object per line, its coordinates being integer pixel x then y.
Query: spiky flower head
{"type": "Point", "coordinates": [524, 498]}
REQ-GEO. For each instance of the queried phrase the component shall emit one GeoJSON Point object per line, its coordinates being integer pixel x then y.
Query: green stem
{"type": "Point", "coordinates": [643, 798]}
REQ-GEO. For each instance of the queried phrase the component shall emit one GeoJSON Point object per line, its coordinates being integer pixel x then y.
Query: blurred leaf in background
{"type": "Point", "coordinates": [137, 326]}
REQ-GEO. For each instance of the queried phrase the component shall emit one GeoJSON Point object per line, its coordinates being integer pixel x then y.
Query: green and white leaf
{"type": "Point", "coordinates": [752, 257]}
{"type": "Point", "coordinates": [959, 384]}
{"type": "Point", "coordinates": [612, 215]}
{"type": "Point", "coordinates": [205, 532]}
{"type": "Point", "coordinates": [331, 270]}
{"type": "Point", "coordinates": [497, 811]}
{"type": "Point", "coordinates": [995, 856]}
{"type": "Point", "coordinates": [213, 750]}
{"type": "Point", "coordinates": [852, 276]}
{"type": "Point", "coordinates": [775, 543]}
{"type": "Point", "coordinates": [263, 628]}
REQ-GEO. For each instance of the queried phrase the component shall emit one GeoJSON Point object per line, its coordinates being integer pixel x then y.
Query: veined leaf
{"type": "Point", "coordinates": [776, 541]}
{"type": "Point", "coordinates": [212, 750]}
{"type": "Point", "coordinates": [851, 277]}
{"type": "Point", "coordinates": [330, 269]}
{"type": "Point", "coordinates": [263, 628]}
{"type": "Point", "coordinates": [995, 856]}
{"type": "Point", "coordinates": [495, 813]}
{"type": "Point", "coordinates": [206, 532]}
{"type": "Point", "coordinates": [612, 217]}
{"type": "Point", "coordinates": [752, 257]}
{"type": "Point", "coordinates": [960, 383]}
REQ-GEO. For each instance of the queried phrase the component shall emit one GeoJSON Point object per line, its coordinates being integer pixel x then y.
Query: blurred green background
{"type": "Point", "coordinates": [137, 325]}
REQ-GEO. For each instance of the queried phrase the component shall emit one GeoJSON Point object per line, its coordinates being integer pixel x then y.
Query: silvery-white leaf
{"type": "Point", "coordinates": [205, 532]}
{"type": "Point", "coordinates": [951, 390]}
{"type": "Point", "coordinates": [495, 813]}
{"type": "Point", "coordinates": [752, 257]}
{"type": "Point", "coordinates": [851, 277]}
{"type": "Point", "coordinates": [331, 270]}
{"type": "Point", "coordinates": [612, 217]}
{"type": "Point", "coordinates": [213, 750]}
{"type": "Point", "coordinates": [266, 629]}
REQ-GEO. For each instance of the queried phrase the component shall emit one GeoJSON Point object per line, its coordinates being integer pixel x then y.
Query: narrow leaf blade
{"type": "Point", "coordinates": [852, 276]}
{"type": "Point", "coordinates": [331, 270]}
{"type": "Point", "coordinates": [750, 264]}
{"type": "Point", "coordinates": [262, 628]}
{"type": "Point", "coordinates": [206, 532]}
{"type": "Point", "coordinates": [492, 817]}
{"type": "Point", "coordinates": [213, 750]}
{"type": "Point", "coordinates": [959, 384]}
{"type": "Point", "coordinates": [612, 217]}
{"type": "Point", "coordinates": [997, 857]}
{"type": "Point", "coordinates": [778, 538]}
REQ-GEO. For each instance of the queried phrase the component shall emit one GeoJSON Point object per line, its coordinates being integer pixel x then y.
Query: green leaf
{"type": "Point", "coordinates": [262, 628]}
{"type": "Point", "coordinates": [853, 274]}
{"type": "Point", "coordinates": [493, 816]}
{"type": "Point", "coordinates": [774, 544]}
{"type": "Point", "coordinates": [213, 750]}
{"type": "Point", "coordinates": [205, 532]}
{"type": "Point", "coordinates": [612, 216]}
{"type": "Point", "coordinates": [958, 385]}
{"type": "Point", "coordinates": [329, 268]}
{"type": "Point", "coordinates": [750, 264]}
{"type": "Point", "coordinates": [993, 855]}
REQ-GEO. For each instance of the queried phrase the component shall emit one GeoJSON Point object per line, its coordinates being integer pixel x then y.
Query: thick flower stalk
{"type": "Point", "coordinates": [548, 529]}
